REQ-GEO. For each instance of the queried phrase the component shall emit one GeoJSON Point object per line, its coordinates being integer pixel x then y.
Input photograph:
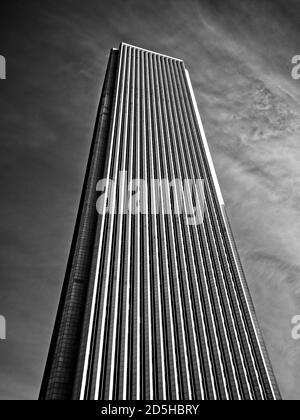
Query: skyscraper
{"type": "Point", "coordinates": [154, 304]}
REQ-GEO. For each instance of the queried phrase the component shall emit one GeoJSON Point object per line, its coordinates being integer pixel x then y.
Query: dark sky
{"type": "Point", "coordinates": [239, 54]}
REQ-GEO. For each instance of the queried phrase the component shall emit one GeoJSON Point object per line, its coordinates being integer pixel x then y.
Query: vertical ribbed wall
{"type": "Point", "coordinates": [168, 312]}
{"type": "Point", "coordinates": [59, 376]}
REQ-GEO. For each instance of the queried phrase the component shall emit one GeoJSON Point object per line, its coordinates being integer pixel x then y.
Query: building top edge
{"type": "Point", "coordinates": [150, 51]}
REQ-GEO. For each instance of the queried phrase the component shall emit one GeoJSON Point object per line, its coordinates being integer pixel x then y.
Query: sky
{"type": "Point", "coordinates": [238, 53]}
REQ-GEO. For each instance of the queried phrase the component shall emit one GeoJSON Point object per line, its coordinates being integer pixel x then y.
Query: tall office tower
{"type": "Point", "coordinates": [154, 304]}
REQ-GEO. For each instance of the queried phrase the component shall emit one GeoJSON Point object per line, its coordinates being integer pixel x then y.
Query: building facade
{"type": "Point", "coordinates": [154, 304]}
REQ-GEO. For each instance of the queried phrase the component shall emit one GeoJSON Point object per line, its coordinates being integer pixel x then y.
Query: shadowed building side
{"type": "Point", "coordinates": [61, 363]}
